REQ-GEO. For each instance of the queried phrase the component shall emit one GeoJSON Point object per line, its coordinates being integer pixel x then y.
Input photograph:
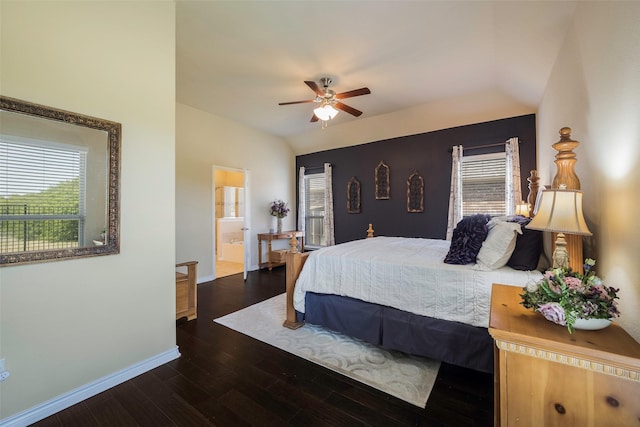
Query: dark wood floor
{"type": "Point", "coordinates": [224, 378]}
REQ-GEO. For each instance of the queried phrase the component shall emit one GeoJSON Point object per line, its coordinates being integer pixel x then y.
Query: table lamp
{"type": "Point", "coordinates": [522, 209]}
{"type": "Point", "coordinates": [560, 211]}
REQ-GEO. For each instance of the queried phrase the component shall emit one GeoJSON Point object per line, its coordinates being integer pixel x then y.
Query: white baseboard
{"type": "Point", "coordinates": [206, 279]}
{"type": "Point", "coordinates": [79, 394]}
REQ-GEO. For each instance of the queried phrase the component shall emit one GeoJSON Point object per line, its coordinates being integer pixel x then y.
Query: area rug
{"type": "Point", "coordinates": [406, 377]}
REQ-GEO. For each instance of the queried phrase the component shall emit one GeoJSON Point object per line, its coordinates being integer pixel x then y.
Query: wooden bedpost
{"type": "Point", "coordinates": [295, 261]}
{"type": "Point", "coordinates": [534, 187]}
{"type": "Point", "coordinates": [566, 175]}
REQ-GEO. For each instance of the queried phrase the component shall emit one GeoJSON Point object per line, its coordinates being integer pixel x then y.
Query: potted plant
{"type": "Point", "coordinates": [280, 210]}
{"type": "Point", "coordinates": [571, 299]}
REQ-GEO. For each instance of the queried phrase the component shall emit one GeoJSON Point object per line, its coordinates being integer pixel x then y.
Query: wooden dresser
{"type": "Point", "coordinates": [545, 376]}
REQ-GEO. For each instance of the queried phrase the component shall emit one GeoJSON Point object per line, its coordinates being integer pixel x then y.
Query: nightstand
{"type": "Point", "coordinates": [270, 237]}
{"type": "Point", "coordinates": [545, 376]}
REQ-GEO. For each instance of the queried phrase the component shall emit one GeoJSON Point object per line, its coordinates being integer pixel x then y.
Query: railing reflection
{"type": "Point", "coordinates": [25, 228]}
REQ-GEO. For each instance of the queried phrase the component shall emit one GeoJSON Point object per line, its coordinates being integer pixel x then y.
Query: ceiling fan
{"type": "Point", "coordinates": [329, 100]}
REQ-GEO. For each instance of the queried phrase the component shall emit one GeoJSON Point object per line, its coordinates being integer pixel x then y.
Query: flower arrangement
{"type": "Point", "coordinates": [562, 296]}
{"type": "Point", "coordinates": [279, 209]}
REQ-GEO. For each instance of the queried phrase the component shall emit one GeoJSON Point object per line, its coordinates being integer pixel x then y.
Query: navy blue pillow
{"type": "Point", "coordinates": [467, 239]}
{"type": "Point", "coordinates": [528, 247]}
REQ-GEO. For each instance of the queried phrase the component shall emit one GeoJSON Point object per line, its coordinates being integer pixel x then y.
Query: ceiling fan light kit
{"type": "Point", "coordinates": [329, 101]}
{"type": "Point", "coordinates": [325, 112]}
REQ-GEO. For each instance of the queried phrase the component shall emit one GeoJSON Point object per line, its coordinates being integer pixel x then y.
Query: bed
{"type": "Point", "coordinates": [399, 294]}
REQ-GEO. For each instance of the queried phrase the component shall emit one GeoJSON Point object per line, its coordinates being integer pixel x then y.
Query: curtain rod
{"type": "Point", "coordinates": [483, 146]}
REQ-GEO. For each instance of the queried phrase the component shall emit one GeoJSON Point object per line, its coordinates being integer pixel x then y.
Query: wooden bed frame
{"type": "Point", "coordinates": [565, 161]}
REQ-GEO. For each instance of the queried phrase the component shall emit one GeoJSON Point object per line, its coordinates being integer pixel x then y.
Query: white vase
{"type": "Point", "coordinates": [591, 324]}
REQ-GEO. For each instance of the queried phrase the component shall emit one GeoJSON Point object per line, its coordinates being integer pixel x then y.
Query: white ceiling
{"type": "Point", "coordinates": [239, 59]}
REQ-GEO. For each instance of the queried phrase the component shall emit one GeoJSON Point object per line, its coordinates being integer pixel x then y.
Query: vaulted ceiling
{"type": "Point", "coordinates": [239, 59]}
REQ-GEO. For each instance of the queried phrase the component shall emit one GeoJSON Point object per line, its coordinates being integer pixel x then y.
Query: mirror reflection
{"type": "Point", "coordinates": [59, 174]}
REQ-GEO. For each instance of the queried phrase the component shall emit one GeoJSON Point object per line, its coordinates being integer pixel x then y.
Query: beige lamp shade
{"type": "Point", "coordinates": [560, 211]}
{"type": "Point", "coordinates": [522, 208]}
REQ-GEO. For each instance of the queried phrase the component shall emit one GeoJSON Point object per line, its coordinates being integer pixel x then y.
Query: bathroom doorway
{"type": "Point", "coordinates": [229, 199]}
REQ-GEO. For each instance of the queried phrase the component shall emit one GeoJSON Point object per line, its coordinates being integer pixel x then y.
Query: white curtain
{"type": "Point", "coordinates": [455, 199]}
{"type": "Point", "coordinates": [328, 206]}
{"type": "Point", "coordinates": [513, 190]}
{"type": "Point", "coordinates": [302, 204]}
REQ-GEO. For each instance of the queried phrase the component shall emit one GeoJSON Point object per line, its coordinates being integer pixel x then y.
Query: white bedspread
{"type": "Point", "coordinates": [408, 274]}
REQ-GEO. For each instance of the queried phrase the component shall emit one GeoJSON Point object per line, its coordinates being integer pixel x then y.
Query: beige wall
{"type": "Point", "coordinates": [594, 89]}
{"type": "Point", "coordinates": [203, 141]}
{"type": "Point", "coordinates": [66, 324]}
{"type": "Point", "coordinates": [447, 113]}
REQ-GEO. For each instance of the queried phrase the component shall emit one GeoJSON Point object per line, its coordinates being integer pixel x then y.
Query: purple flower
{"type": "Point", "coordinates": [279, 208]}
{"type": "Point", "coordinates": [555, 287]}
{"type": "Point", "coordinates": [574, 283]}
{"type": "Point", "coordinates": [553, 312]}
{"type": "Point", "coordinates": [588, 309]}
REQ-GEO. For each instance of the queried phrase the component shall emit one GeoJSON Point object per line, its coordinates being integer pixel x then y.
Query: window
{"type": "Point", "coordinates": [46, 211]}
{"type": "Point", "coordinates": [314, 188]}
{"type": "Point", "coordinates": [484, 184]}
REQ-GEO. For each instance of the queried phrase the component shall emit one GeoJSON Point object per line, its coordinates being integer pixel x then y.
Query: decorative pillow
{"type": "Point", "coordinates": [496, 219]}
{"type": "Point", "coordinates": [526, 255]}
{"type": "Point", "coordinates": [467, 239]}
{"type": "Point", "coordinates": [499, 245]}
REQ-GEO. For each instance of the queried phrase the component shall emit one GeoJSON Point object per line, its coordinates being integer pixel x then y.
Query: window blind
{"type": "Point", "coordinates": [483, 184]}
{"type": "Point", "coordinates": [42, 194]}
{"type": "Point", "coordinates": [32, 169]}
{"type": "Point", "coordinates": [314, 185]}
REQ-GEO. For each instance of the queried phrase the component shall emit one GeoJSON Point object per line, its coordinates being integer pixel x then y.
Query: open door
{"type": "Point", "coordinates": [230, 240]}
{"type": "Point", "coordinates": [247, 221]}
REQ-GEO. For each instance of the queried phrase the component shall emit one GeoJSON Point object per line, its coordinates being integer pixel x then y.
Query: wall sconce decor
{"type": "Point", "coordinates": [382, 181]}
{"type": "Point", "coordinates": [353, 195]}
{"type": "Point", "coordinates": [415, 193]}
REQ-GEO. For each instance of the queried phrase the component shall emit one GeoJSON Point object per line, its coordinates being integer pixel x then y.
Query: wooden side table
{"type": "Point", "coordinates": [545, 376]}
{"type": "Point", "coordinates": [269, 238]}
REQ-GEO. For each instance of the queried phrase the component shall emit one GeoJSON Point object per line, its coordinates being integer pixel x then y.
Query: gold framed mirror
{"type": "Point", "coordinates": [59, 184]}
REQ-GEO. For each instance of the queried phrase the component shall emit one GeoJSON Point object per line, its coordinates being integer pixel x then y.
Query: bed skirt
{"type": "Point", "coordinates": [450, 342]}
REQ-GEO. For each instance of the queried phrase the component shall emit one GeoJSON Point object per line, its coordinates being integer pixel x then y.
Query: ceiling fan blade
{"type": "Point", "coordinates": [314, 87]}
{"type": "Point", "coordinates": [347, 109]}
{"type": "Point", "coordinates": [314, 118]}
{"type": "Point", "coordinates": [352, 93]}
{"type": "Point", "coordinates": [295, 102]}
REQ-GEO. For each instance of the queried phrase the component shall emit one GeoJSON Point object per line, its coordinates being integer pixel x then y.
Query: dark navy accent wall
{"type": "Point", "coordinates": [430, 155]}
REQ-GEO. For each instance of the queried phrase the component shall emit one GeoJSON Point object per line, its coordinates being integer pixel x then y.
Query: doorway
{"type": "Point", "coordinates": [229, 199]}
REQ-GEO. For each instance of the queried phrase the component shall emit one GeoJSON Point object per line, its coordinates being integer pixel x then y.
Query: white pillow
{"type": "Point", "coordinates": [498, 246]}
{"type": "Point", "coordinates": [497, 219]}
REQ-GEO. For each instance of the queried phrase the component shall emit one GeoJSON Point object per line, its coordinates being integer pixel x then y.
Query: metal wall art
{"type": "Point", "coordinates": [353, 195]}
{"type": "Point", "coordinates": [415, 193]}
{"type": "Point", "coordinates": [382, 181]}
